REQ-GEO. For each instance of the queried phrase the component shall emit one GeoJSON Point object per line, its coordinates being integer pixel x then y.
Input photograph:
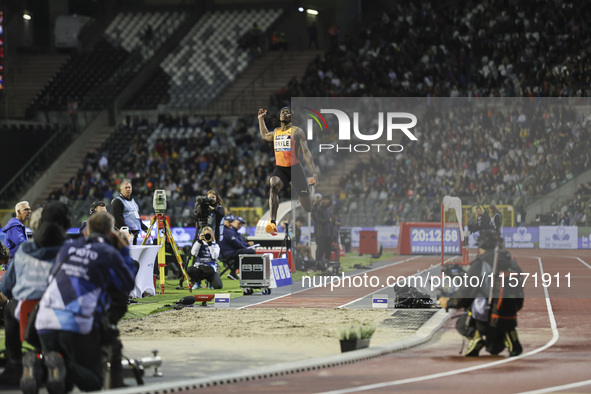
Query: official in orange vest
{"type": "Point", "coordinates": [290, 146]}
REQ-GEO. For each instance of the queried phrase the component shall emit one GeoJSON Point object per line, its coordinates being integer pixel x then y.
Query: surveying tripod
{"type": "Point", "coordinates": [163, 233]}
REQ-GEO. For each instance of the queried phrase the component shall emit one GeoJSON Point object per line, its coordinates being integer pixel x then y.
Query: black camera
{"type": "Point", "coordinates": [207, 237]}
{"type": "Point", "coordinates": [202, 205]}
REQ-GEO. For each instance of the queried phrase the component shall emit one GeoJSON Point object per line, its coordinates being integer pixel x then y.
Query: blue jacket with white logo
{"type": "Point", "coordinates": [16, 234]}
{"type": "Point", "coordinates": [231, 242]}
{"type": "Point", "coordinates": [78, 294]}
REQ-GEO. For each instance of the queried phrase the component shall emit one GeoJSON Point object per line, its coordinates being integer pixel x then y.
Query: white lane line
{"type": "Point", "coordinates": [551, 342]}
{"type": "Point", "coordinates": [270, 299]}
{"type": "Point", "coordinates": [582, 261]}
{"type": "Point", "coordinates": [560, 388]}
{"type": "Point", "coordinates": [299, 291]}
{"type": "Point", "coordinates": [567, 386]}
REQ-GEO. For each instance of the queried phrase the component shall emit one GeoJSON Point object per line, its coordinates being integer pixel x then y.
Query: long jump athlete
{"type": "Point", "coordinates": [290, 147]}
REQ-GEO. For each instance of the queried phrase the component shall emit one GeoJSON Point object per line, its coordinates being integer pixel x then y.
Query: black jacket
{"type": "Point", "coordinates": [481, 267]}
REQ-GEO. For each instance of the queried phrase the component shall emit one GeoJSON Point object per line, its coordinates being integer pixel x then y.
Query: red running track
{"type": "Point", "coordinates": [554, 355]}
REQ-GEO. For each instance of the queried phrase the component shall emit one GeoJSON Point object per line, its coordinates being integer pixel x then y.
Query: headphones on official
{"type": "Point", "coordinates": [95, 205]}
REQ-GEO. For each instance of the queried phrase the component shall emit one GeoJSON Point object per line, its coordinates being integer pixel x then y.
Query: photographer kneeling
{"type": "Point", "coordinates": [206, 251]}
{"type": "Point", "coordinates": [87, 289]}
{"type": "Point", "coordinates": [490, 320]}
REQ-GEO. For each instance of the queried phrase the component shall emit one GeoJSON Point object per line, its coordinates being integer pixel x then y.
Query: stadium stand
{"type": "Point", "coordinates": [80, 74]}
{"type": "Point", "coordinates": [532, 49]}
{"type": "Point", "coordinates": [94, 78]}
{"type": "Point", "coordinates": [143, 32]}
{"type": "Point", "coordinates": [33, 149]}
{"type": "Point", "coordinates": [184, 156]}
{"type": "Point", "coordinates": [206, 60]}
{"type": "Point", "coordinates": [523, 153]}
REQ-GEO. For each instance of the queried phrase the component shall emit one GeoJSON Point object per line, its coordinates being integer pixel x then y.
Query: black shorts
{"type": "Point", "coordinates": [295, 175]}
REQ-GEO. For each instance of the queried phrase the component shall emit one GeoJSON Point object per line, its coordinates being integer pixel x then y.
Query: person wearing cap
{"type": "Point", "coordinates": [15, 229]}
{"type": "Point", "coordinates": [228, 219]}
{"type": "Point", "coordinates": [232, 245]}
{"type": "Point", "coordinates": [26, 280]}
{"type": "Point", "coordinates": [289, 143]}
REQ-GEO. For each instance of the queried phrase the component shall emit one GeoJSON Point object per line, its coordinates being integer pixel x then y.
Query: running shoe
{"type": "Point", "coordinates": [232, 276]}
{"type": "Point", "coordinates": [512, 343]}
{"type": "Point", "coordinates": [271, 228]}
{"type": "Point", "coordinates": [475, 344]}
{"type": "Point", "coordinates": [195, 286]}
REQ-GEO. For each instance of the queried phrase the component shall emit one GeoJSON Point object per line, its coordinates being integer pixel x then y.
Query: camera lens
{"type": "Point", "coordinates": [207, 236]}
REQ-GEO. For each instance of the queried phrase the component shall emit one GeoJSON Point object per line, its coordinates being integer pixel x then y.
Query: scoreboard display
{"type": "Point", "coordinates": [427, 240]}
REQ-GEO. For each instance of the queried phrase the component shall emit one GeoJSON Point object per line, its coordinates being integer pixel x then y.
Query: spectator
{"type": "Point", "coordinates": [26, 280]}
{"type": "Point", "coordinates": [15, 230]}
{"type": "Point", "coordinates": [73, 112]}
{"type": "Point", "coordinates": [333, 32]}
{"type": "Point", "coordinates": [83, 297]}
{"type": "Point", "coordinates": [496, 220]}
{"type": "Point", "coordinates": [312, 36]}
{"type": "Point", "coordinates": [255, 38]}
{"type": "Point", "coordinates": [564, 220]}
{"type": "Point", "coordinates": [126, 211]}
{"type": "Point", "coordinates": [232, 246]}
{"type": "Point", "coordinates": [482, 221]}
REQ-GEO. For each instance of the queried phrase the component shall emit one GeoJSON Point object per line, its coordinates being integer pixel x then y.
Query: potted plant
{"type": "Point", "coordinates": [355, 337]}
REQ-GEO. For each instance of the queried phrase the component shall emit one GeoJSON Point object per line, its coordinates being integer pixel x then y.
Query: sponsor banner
{"type": "Point", "coordinates": [521, 237]}
{"type": "Point", "coordinates": [222, 300]}
{"type": "Point", "coordinates": [558, 237]}
{"type": "Point", "coordinates": [280, 273]}
{"type": "Point", "coordinates": [585, 242]}
{"type": "Point", "coordinates": [427, 240]}
{"type": "Point", "coordinates": [182, 236]}
{"type": "Point", "coordinates": [387, 235]}
{"type": "Point", "coordinates": [379, 301]}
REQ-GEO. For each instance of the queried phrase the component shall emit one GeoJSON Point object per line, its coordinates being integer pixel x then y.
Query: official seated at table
{"type": "Point", "coordinates": [233, 245]}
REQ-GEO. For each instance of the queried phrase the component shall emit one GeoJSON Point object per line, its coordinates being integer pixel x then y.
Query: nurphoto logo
{"type": "Point", "coordinates": [387, 121]}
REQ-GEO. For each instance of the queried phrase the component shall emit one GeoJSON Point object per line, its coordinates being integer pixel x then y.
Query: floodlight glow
{"type": "Point", "coordinates": [301, 9]}
{"type": "Point", "coordinates": [312, 12]}
{"type": "Point", "coordinates": [26, 16]}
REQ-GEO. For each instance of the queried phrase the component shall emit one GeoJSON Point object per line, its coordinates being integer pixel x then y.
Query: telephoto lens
{"type": "Point", "coordinates": [207, 237]}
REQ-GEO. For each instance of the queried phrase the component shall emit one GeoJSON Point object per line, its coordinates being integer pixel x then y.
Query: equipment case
{"type": "Point", "coordinates": [255, 271]}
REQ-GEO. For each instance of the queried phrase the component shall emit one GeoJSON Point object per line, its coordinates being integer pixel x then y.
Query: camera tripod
{"type": "Point", "coordinates": [164, 235]}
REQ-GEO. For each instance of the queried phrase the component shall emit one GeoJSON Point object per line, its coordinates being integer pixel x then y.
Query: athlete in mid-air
{"type": "Point", "coordinates": [290, 147]}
